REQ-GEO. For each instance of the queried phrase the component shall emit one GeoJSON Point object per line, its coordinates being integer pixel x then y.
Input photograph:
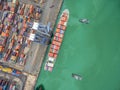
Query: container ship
{"type": "Point", "coordinates": [57, 41]}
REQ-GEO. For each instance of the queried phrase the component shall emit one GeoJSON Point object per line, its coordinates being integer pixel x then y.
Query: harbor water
{"type": "Point", "coordinates": [91, 50]}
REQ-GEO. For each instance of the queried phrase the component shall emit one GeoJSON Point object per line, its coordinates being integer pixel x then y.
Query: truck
{"type": "Point", "coordinates": [15, 53]}
{"type": "Point", "coordinates": [22, 58]}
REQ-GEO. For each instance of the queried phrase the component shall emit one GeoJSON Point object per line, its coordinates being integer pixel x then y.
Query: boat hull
{"type": "Point", "coordinates": [57, 41]}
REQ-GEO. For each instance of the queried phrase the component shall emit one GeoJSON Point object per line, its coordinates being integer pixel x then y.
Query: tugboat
{"type": "Point", "coordinates": [76, 76]}
{"type": "Point", "coordinates": [57, 41]}
{"type": "Point", "coordinates": [86, 21]}
{"type": "Point", "coordinates": [40, 87]}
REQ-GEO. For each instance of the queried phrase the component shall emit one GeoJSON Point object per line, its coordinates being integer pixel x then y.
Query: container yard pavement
{"type": "Point", "coordinates": [35, 57]}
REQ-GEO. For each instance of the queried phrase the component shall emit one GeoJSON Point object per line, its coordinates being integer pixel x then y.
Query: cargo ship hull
{"type": "Point", "coordinates": [57, 41]}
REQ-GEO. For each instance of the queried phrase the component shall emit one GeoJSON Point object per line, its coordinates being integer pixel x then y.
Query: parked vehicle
{"type": "Point", "coordinates": [14, 55]}
{"type": "Point", "coordinates": [20, 39]}
{"type": "Point", "coordinates": [22, 58]}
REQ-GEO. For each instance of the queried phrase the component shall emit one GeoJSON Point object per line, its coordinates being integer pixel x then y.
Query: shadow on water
{"type": "Point", "coordinates": [40, 87]}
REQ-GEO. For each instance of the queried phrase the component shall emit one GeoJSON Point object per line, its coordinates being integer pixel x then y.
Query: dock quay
{"type": "Point", "coordinates": [20, 57]}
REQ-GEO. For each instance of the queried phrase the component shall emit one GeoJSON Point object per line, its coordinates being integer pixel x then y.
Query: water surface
{"type": "Point", "coordinates": [91, 50]}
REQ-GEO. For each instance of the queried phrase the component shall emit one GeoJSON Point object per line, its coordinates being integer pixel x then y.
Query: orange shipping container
{"type": "Point", "coordinates": [61, 22]}
{"type": "Point", "coordinates": [59, 35]}
{"type": "Point", "coordinates": [50, 54]}
{"type": "Point", "coordinates": [57, 39]}
{"type": "Point", "coordinates": [56, 43]}
{"type": "Point", "coordinates": [57, 30]}
{"type": "Point", "coordinates": [61, 27]}
{"type": "Point", "coordinates": [55, 47]}
{"type": "Point", "coordinates": [1, 48]}
{"type": "Point", "coordinates": [4, 34]}
{"type": "Point", "coordinates": [64, 18]}
{"type": "Point", "coordinates": [53, 51]}
{"type": "Point", "coordinates": [55, 56]}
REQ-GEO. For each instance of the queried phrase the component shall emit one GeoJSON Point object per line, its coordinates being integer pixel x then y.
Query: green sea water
{"type": "Point", "coordinates": [91, 50]}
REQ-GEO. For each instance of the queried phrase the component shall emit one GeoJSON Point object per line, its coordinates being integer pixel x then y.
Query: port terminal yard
{"type": "Point", "coordinates": [21, 54]}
